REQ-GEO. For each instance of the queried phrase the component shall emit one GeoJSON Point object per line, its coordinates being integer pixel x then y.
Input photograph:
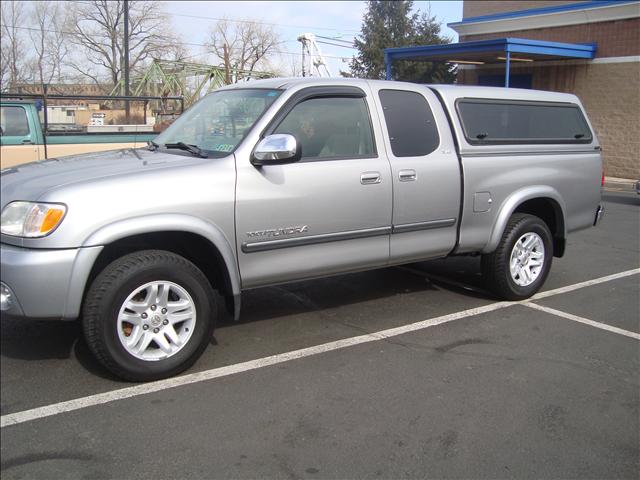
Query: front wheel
{"type": "Point", "coordinates": [149, 315]}
{"type": "Point", "coordinates": [519, 266]}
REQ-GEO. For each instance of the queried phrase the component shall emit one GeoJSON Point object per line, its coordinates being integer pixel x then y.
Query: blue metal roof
{"type": "Point", "coordinates": [488, 50]}
{"type": "Point", "coordinates": [542, 11]}
{"type": "Point", "coordinates": [513, 45]}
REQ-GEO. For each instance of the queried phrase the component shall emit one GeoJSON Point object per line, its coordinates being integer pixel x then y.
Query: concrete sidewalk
{"type": "Point", "coordinates": [620, 184]}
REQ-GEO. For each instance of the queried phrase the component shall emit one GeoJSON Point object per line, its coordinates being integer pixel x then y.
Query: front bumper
{"type": "Point", "coordinates": [44, 283]}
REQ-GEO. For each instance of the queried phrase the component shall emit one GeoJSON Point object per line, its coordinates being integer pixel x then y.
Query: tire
{"type": "Point", "coordinates": [149, 315]}
{"type": "Point", "coordinates": [512, 271]}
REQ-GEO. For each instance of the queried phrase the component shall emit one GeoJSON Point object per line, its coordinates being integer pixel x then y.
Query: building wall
{"type": "Point", "coordinates": [614, 39]}
{"type": "Point", "coordinates": [611, 95]}
{"type": "Point", "coordinates": [477, 8]}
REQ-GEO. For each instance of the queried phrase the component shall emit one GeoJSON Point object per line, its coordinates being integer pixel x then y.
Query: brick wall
{"type": "Point", "coordinates": [615, 39]}
{"type": "Point", "coordinates": [478, 8]}
{"type": "Point", "coordinates": [611, 95]}
{"type": "Point", "coordinates": [609, 92]}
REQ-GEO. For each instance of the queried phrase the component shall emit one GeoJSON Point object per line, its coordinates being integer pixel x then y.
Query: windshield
{"type": "Point", "coordinates": [218, 122]}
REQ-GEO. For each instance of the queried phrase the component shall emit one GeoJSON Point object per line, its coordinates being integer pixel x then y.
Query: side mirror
{"type": "Point", "coordinates": [276, 149]}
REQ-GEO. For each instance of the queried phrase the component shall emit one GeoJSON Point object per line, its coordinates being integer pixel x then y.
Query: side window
{"type": "Point", "coordinates": [337, 127]}
{"type": "Point", "coordinates": [410, 123]}
{"type": "Point", "coordinates": [13, 121]}
{"type": "Point", "coordinates": [513, 122]}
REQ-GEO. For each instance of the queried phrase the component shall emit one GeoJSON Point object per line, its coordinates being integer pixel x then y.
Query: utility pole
{"type": "Point", "coordinates": [227, 65]}
{"type": "Point", "coordinates": [126, 60]}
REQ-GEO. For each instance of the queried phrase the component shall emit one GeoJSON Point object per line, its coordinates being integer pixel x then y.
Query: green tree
{"type": "Point", "coordinates": [389, 24]}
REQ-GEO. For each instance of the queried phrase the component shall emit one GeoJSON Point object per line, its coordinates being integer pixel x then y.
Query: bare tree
{"type": "Point", "coordinates": [284, 65]}
{"type": "Point", "coordinates": [97, 27]}
{"type": "Point", "coordinates": [241, 46]}
{"type": "Point", "coordinates": [48, 39]}
{"type": "Point", "coordinates": [12, 49]}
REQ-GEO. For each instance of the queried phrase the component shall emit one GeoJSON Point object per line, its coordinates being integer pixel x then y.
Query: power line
{"type": "Point", "coordinates": [335, 44]}
{"type": "Point", "coordinates": [33, 29]}
{"type": "Point", "coordinates": [313, 27]}
{"type": "Point", "coordinates": [334, 39]}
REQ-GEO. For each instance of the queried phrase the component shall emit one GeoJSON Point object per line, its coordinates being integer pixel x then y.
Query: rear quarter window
{"type": "Point", "coordinates": [495, 122]}
{"type": "Point", "coordinates": [410, 123]}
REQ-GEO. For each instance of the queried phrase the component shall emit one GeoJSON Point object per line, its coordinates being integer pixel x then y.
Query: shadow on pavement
{"type": "Point", "coordinates": [622, 198]}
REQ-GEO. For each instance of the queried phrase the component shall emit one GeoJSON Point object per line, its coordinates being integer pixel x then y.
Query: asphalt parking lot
{"type": "Point", "coordinates": [407, 372]}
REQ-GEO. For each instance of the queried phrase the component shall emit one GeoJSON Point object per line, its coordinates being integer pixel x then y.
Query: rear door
{"type": "Point", "coordinates": [329, 212]}
{"type": "Point", "coordinates": [425, 172]}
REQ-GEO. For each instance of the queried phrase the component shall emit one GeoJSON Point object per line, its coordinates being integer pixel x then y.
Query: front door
{"type": "Point", "coordinates": [330, 212]}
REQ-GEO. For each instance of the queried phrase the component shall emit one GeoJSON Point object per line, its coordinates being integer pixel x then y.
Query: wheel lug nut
{"type": "Point", "coordinates": [144, 315]}
{"type": "Point", "coordinates": [145, 327]}
{"type": "Point", "coordinates": [164, 310]}
{"type": "Point", "coordinates": [156, 330]}
{"type": "Point", "coordinates": [165, 322]}
{"type": "Point", "coordinates": [153, 307]}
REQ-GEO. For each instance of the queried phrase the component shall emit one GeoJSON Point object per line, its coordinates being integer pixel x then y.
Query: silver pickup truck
{"type": "Point", "coordinates": [287, 179]}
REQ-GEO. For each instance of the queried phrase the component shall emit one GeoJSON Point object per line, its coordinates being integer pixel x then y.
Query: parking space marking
{"type": "Point", "coordinates": [143, 389]}
{"type": "Point", "coordinates": [586, 321]}
{"type": "Point", "coordinates": [588, 283]}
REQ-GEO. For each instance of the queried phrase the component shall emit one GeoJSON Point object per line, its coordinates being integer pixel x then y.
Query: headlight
{"type": "Point", "coordinates": [29, 219]}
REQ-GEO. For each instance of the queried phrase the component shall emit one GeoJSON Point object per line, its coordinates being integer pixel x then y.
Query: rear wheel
{"type": "Point", "coordinates": [519, 266]}
{"type": "Point", "coordinates": [149, 315]}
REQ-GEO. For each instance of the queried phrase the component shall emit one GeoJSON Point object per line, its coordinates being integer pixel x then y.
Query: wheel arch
{"type": "Point", "coordinates": [200, 242]}
{"type": "Point", "coordinates": [543, 202]}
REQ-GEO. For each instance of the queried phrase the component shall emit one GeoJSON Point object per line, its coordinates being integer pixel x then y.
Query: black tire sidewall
{"type": "Point", "coordinates": [112, 301]}
{"type": "Point", "coordinates": [529, 224]}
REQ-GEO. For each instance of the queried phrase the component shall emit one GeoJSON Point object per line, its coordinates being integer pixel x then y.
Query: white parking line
{"type": "Point", "coordinates": [588, 283]}
{"type": "Point", "coordinates": [143, 389]}
{"type": "Point", "coordinates": [586, 321]}
{"type": "Point", "coordinates": [78, 403]}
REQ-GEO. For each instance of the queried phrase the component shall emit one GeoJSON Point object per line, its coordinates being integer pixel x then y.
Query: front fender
{"type": "Point", "coordinates": [512, 202]}
{"type": "Point", "coordinates": [171, 222]}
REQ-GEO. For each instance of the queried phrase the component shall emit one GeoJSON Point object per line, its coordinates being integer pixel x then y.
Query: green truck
{"type": "Point", "coordinates": [24, 138]}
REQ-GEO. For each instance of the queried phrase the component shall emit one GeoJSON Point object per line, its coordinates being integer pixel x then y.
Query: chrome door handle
{"type": "Point", "coordinates": [407, 175]}
{"type": "Point", "coordinates": [370, 178]}
{"type": "Point", "coordinates": [27, 142]}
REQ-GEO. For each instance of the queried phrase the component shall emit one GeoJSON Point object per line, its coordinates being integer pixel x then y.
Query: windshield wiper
{"type": "Point", "coordinates": [153, 146]}
{"type": "Point", "coordinates": [193, 149]}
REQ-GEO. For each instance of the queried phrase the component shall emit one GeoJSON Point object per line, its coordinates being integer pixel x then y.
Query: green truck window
{"type": "Point", "coordinates": [13, 121]}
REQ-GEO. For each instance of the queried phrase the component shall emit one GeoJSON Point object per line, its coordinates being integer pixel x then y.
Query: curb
{"type": "Point", "coordinates": [620, 184]}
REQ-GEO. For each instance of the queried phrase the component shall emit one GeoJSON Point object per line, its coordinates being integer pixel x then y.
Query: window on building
{"type": "Point", "coordinates": [326, 128]}
{"type": "Point", "coordinates": [410, 123]}
{"type": "Point", "coordinates": [513, 122]}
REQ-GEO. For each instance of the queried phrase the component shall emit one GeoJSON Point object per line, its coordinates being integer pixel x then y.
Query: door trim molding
{"type": "Point", "coordinates": [251, 247]}
{"type": "Point", "coordinates": [414, 227]}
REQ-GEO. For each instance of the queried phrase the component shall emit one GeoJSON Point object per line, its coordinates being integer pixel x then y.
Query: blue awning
{"type": "Point", "coordinates": [490, 51]}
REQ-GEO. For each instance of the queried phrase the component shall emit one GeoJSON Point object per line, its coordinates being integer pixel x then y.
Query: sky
{"type": "Point", "coordinates": [337, 19]}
